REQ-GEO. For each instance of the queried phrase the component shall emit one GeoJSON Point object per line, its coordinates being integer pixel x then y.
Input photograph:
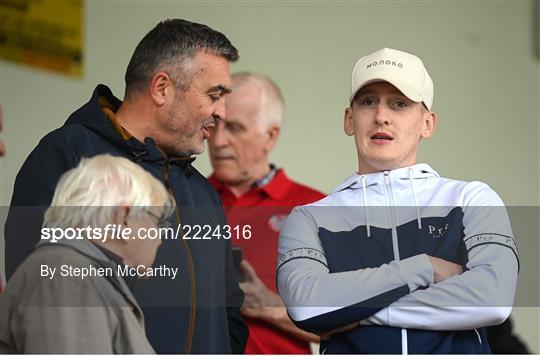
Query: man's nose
{"type": "Point", "coordinates": [218, 136]}
{"type": "Point", "coordinates": [219, 110]}
{"type": "Point", "coordinates": [382, 115]}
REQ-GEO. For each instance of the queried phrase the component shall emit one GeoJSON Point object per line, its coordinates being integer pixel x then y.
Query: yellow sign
{"type": "Point", "coordinates": [42, 33]}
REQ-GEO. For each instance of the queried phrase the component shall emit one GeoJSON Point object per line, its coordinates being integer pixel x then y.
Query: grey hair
{"type": "Point", "coordinates": [89, 194]}
{"type": "Point", "coordinates": [272, 102]}
{"type": "Point", "coordinates": [170, 47]}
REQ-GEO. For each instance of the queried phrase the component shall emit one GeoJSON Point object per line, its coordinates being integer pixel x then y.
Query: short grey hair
{"type": "Point", "coordinates": [89, 194]}
{"type": "Point", "coordinates": [171, 46]}
{"type": "Point", "coordinates": [272, 103]}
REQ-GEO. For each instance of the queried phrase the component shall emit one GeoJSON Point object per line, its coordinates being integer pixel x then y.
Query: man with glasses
{"type": "Point", "coordinates": [70, 295]}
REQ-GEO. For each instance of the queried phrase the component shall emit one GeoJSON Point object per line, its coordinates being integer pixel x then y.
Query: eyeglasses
{"type": "Point", "coordinates": [161, 221]}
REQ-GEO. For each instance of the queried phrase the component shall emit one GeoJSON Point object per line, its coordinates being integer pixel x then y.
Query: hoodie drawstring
{"type": "Point", "coordinates": [363, 179]}
{"type": "Point", "coordinates": [419, 219]}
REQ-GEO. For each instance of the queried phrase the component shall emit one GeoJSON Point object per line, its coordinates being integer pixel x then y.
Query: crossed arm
{"type": "Point", "coordinates": [421, 292]}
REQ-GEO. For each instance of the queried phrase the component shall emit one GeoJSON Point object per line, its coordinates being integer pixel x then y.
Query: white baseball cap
{"type": "Point", "coordinates": [401, 69]}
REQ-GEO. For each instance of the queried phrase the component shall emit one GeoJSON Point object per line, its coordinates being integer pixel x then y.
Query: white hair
{"type": "Point", "coordinates": [272, 103]}
{"type": "Point", "coordinates": [88, 194]}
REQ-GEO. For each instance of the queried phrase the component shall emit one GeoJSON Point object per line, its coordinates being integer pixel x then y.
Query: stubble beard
{"type": "Point", "coordinates": [177, 143]}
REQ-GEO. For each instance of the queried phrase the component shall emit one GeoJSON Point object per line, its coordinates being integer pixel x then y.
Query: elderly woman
{"type": "Point", "coordinates": [70, 295]}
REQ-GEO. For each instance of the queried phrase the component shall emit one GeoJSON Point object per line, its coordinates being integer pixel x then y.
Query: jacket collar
{"type": "Point", "coordinates": [418, 171]}
{"type": "Point", "coordinates": [92, 116]}
{"type": "Point", "coordinates": [99, 116]}
{"type": "Point", "coordinates": [89, 249]}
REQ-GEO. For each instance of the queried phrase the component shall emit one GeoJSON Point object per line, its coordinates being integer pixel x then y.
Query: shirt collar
{"type": "Point", "coordinates": [274, 184]}
{"type": "Point", "coordinates": [266, 179]}
{"type": "Point", "coordinates": [279, 185]}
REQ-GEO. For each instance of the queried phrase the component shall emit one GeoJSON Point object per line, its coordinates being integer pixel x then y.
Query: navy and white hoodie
{"type": "Point", "coordinates": [360, 256]}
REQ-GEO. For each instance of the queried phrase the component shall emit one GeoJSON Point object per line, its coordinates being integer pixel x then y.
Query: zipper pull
{"type": "Point", "coordinates": [387, 177]}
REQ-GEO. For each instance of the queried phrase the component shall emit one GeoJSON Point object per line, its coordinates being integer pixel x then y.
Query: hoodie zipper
{"type": "Point", "coordinates": [192, 313]}
{"type": "Point", "coordinates": [395, 246]}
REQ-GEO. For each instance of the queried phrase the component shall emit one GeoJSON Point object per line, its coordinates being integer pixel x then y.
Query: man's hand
{"type": "Point", "coordinates": [262, 303]}
{"type": "Point", "coordinates": [257, 295]}
{"type": "Point", "coordinates": [443, 269]}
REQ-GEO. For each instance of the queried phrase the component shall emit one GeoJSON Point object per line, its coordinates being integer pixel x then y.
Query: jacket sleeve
{"type": "Point", "coordinates": [60, 315]}
{"type": "Point", "coordinates": [238, 331]}
{"type": "Point", "coordinates": [61, 330]}
{"type": "Point", "coordinates": [32, 194]}
{"type": "Point", "coordinates": [481, 296]}
{"type": "Point", "coordinates": [319, 301]}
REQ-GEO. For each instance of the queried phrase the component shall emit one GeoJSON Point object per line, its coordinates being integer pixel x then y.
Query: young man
{"type": "Point", "coordinates": [70, 295]}
{"type": "Point", "coordinates": [257, 194]}
{"type": "Point", "coordinates": [398, 259]}
{"type": "Point", "coordinates": [175, 86]}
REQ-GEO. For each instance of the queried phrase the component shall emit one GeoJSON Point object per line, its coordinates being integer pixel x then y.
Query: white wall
{"type": "Point", "coordinates": [479, 53]}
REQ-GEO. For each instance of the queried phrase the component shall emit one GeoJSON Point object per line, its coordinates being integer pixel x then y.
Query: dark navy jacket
{"type": "Point", "coordinates": [199, 311]}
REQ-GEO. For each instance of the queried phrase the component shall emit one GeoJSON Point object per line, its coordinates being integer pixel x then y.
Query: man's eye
{"type": "Point", "coordinates": [368, 102]}
{"type": "Point", "coordinates": [214, 97]}
{"type": "Point", "coordinates": [233, 127]}
{"type": "Point", "coordinates": [400, 104]}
